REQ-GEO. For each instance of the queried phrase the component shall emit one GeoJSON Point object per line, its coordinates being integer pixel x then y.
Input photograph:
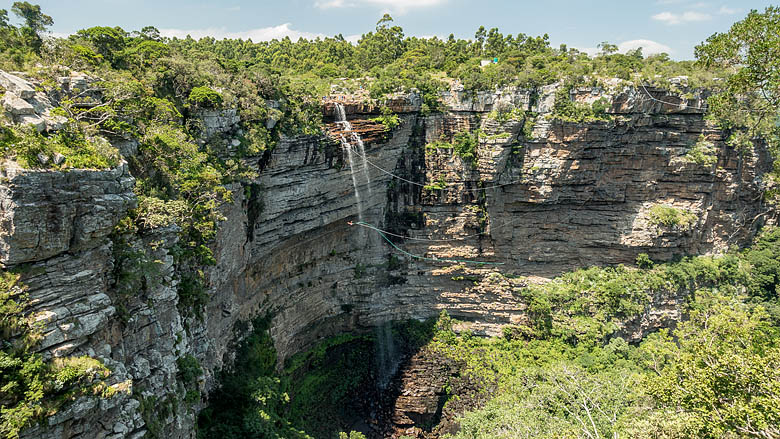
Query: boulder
{"type": "Point", "coordinates": [16, 105]}
{"type": "Point", "coordinates": [17, 85]}
{"type": "Point", "coordinates": [32, 119]}
{"type": "Point", "coordinates": [55, 123]}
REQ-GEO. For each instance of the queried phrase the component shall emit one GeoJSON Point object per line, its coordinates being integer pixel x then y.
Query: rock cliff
{"type": "Point", "coordinates": [538, 202]}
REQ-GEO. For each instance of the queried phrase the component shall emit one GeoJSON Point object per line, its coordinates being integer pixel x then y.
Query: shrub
{"type": "Point", "coordinates": [568, 110]}
{"type": "Point", "coordinates": [388, 119]}
{"type": "Point", "coordinates": [205, 97]}
{"type": "Point", "coordinates": [465, 145]}
{"type": "Point", "coordinates": [668, 216]}
{"type": "Point", "coordinates": [24, 144]}
{"type": "Point", "coordinates": [644, 261]}
{"type": "Point", "coordinates": [436, 185]}
{"type": "Point", "coordinates": [702, 152]}
{"type": "Point", "coordinates": [189, 369]}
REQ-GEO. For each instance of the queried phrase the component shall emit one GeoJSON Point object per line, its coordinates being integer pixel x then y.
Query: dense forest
{"type": "Point", "coordinates": [717, 375]}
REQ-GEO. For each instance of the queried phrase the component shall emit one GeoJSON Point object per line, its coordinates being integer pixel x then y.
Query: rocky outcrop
{"type": "Point", "coordinates": [573, 194]}
{"type": "Point", "coordinates": [45, 213]}
{"type": "Point", "coordinates": [28, 106]}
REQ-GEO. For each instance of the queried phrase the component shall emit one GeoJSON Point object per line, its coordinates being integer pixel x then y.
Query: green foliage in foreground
{"type": "Point", "coordinates": [719, 380]}
{"type": "Point", "coordinates": [715, 376]}
{"type": "Point", "coordinates": [31, 388]}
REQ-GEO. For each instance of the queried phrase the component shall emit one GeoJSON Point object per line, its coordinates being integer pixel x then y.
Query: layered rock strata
{"type": "Point", "coordinates": [540, 197]}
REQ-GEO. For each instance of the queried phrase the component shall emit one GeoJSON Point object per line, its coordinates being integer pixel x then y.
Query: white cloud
{"type": "Point", "coordinates": [649, 47]}
{"type": "Point", "coordinates": [59, 34]}
{"type": "Point", "coordinates": [725, 10]}
{"type": "Point", "coordinates": [261, 34]}
{"type": "Point", "coordinates": [353, 38]}
{"type": "Point", "coordinates": [399, 6]}
{"type": "Point", "coordinates": [670, 18]}
{"type": "Point", "coordinates": [591, 51]}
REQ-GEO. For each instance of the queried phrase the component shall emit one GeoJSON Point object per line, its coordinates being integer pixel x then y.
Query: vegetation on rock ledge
{"type": "Point", "coordinates": [714, 376]}
{"type": "Point", "coordinates": [32, 388]}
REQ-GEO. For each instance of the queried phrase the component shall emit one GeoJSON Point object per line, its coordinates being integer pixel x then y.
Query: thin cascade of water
{"type": "Point", "coordinates": [387, 361]}
{"type": "Point", "coordinates": [341, 117]}
{"type": "Point", "coordinates": [362, 149]}
{"type": "Point", "coordinates": [352, 166]}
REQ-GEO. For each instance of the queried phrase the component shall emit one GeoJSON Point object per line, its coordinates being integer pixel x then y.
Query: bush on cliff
{"type": "Point", "coordinates": [205, 97]}
{"type": "Point", "coordinates": [31, 388]}
{"type": "Point", "coordinates": [33, 150]}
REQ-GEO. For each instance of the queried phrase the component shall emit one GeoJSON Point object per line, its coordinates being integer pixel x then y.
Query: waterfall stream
{"type": "Point", "coordinates": [362, 150]}
{"type": "Point", "coordinates": [345, 144]}
{"type": "Point", "coordinates": [341, 119]}
{"type": "Point", "coordinates": [386, 358]}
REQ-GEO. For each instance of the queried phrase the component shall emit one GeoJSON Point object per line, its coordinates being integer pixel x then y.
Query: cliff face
{"type": "Point", "coordinates": [575, 194]}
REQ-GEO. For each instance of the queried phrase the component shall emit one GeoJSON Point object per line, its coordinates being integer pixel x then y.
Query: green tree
{"type": "Point", "coordinates": [723, 371]}
{"type": "Point", "coordinates": [151, 33]}
{"type": "Point", "coordinates": [381, 47]}
{"type": "Point", "coordinates": [748, 102]}
{"type": "Point", "coordinates": [5, 30]}
{"type": "Point", "coordinates": [479, 40]}
{"type": "Point", "coordinates": [35, 23]}
{"type": "Point", "coordinates": [557, 401]}
{"type": "Point", "coordinates": [495, 43]}
{"type": "Point", "coordinates": [607, 49]}
{"type": "Point", "coordinates": [107, 41]}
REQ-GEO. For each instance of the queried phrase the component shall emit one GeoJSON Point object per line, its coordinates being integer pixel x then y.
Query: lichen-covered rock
{"type": "Point", "coordinates": [458, 99]}
{"type": "Point", "coordinates": [27, 106]}
{"type": "Point", "coordinates": [215, 122]}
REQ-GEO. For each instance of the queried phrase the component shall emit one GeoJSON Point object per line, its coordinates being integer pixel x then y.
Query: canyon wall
{"type": "Point", "coordinates": [534, 203]}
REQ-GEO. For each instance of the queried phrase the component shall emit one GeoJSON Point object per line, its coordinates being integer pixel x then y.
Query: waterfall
{"type": "Point", "coordinates": [386, 357]}
{"type": "Point", "coordinates": [362, 150]}
{"type": "Point", "coordinates": [345, 144]}
{"type": "Point", "coordinates": [341, 119]}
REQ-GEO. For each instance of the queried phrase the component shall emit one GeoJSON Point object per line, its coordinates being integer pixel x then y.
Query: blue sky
{"type": "Point", "coordinates": [674, 26]}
